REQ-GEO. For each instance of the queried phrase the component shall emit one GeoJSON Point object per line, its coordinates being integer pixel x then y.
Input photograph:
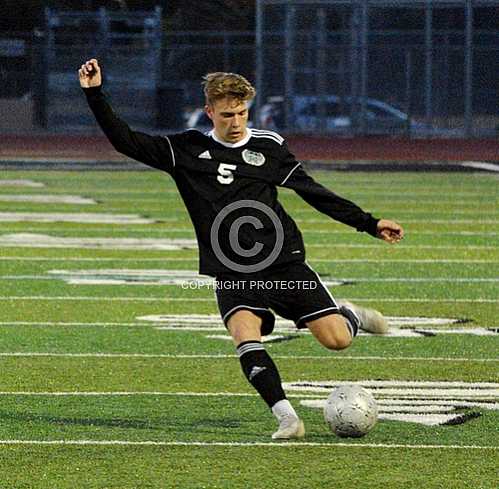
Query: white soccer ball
{"type": "Point", "coordinates": [350, 411]}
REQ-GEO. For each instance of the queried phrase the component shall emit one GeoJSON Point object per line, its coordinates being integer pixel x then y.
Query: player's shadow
{"type": "Point", "coordinates": [77, 421]}
{"type": "Point", "coordinates": [169, 424]}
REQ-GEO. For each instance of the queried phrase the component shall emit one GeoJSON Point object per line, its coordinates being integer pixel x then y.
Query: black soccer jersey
{"type": "Point", "coordinates": [230, 190]}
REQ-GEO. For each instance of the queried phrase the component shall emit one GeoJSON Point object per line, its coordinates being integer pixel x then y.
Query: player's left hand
{"type": "Point", "coordinates": [389, 231]}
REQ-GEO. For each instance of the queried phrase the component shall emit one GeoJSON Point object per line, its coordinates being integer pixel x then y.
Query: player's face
{"type": "Point", "coordinates": [230, 118]}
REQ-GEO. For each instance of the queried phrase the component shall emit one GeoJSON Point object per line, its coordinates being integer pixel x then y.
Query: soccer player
{"type": "Point", "coordinates": [228, 180]}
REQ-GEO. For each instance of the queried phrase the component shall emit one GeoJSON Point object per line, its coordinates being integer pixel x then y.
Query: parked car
{"type": "Point", "coordinates": [381, 116]}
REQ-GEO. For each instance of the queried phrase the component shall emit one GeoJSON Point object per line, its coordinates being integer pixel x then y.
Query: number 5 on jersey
{"type": "Point", "coordinates": [225, 174]}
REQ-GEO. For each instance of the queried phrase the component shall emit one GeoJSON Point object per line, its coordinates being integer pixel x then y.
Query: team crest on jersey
{"type": "Point", "coordinates": [253, 158]}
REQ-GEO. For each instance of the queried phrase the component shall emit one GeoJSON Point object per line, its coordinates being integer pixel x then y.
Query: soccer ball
{"type": "Point", "coordinates": [350, 411]}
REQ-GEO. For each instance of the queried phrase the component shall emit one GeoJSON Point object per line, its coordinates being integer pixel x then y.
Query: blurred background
{"type": "Point", "coordinates": [415, 68]}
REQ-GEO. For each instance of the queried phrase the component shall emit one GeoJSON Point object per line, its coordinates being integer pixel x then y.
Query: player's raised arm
{"type": "Point", "coordinates": [155, 151]}
{"type": "Point", "coordinates": [90, 74]}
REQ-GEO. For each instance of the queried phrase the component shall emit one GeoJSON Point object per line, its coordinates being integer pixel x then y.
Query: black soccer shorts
{"type": "Point", "coordinates": [293, 291]}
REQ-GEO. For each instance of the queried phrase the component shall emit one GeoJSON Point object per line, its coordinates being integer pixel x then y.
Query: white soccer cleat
{"type": "Point", "coordinates": [371, 320]}
{"type": "Point", "coordinates": [289, 427]}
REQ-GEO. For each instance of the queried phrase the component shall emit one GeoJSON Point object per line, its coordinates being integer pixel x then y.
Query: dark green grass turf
{"type": "Point", "coordinates": [245, 467]}
{"type": "Point", "coordinates": [445, 267]}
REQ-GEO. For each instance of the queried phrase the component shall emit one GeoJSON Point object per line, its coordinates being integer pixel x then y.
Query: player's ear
{"type": "Point", "coordinates": [209, 111]}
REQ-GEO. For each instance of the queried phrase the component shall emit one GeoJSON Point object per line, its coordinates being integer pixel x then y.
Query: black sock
{"type": "Point", "coordinates": [353, 322]}
{"type": "Point", "coordinates": [261, 371]}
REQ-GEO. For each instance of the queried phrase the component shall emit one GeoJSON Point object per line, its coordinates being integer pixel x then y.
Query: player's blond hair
{"type": "Point", "coordinates": [219, 85]}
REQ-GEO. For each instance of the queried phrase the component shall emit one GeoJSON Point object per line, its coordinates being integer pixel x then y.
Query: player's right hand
{"type": "Point", "coordinates": [90, 74]}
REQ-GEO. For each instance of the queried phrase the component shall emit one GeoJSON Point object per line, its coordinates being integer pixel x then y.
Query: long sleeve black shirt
{"type": "Point", "coordinates": [212, 175]}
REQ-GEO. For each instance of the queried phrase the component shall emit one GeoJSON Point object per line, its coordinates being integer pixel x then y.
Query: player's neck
{"type": "Point", "coordinates": [228, 144]}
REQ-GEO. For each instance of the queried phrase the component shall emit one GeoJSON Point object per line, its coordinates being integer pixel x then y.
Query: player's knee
{"type": "Point", "coordinates": [244, 326]}
{"type": "Point", "coordinates": [338, 340]}
{"type": "Point", "coordinates": [331, 332]}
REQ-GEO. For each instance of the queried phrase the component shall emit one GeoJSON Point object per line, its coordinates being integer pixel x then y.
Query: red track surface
{"type": "Point", "coordinates": [304, 147]}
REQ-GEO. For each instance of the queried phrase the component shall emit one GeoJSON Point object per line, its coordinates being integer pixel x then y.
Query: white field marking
{"type": "Point", "coordinates": [196, 259]}
{"type": "Point", "coordinates": [234, 356]}
{"type": "Point", "coordinates": [21, 183]}
{"type": "Point", "coordinates": [397, 409]}
{"type": "Point", "coordinates": [133, 277]}
{"type": "Point", "coordinates": [65, 324]}
{"type": "Point", "coordinates": [426, 233]}
{"type": "Point", "coordinates": [164, 232]}
{"type": "Point", "coordinates": [356, 191]}
{"type": "Point", "coordinates": [127, 393]}
{"type": "Point", "coordinates": [413, 221]}
{"type": "Point", "coordinates": [406, 389]}
{"type": "Point", "coordinates": [76, 259]}
{"type": "Point", "coordinates": [288, 198]}
{"type": "Point", "coordinates": [79, 217]}
{"type": "Point", "coordinates": [188, 279]}
{"type": "Point", "coordinates": [305, 211]}
{"type": "Point", "coordinates": [422, 418]}
{"type": "Point", "coordinates": [326, 221]}
{"type": "Point", "coordinates": [281, 444]}
{"type": "Point", "coordinates": [217, 326]}
{"type": "Point", "coordinates": [414, 405]}
{"type": "Point", "coordinates": [416, 279]}
{"type": "Point", "coordinates": [402, 214]}
{"type": "Point", "coordinates": [400, 327]}
{"type": "Point", "coordinates": [481, 165]}
{"type": "Point", "coordinates": [382, 245]}
{"type": "Point", "coordinates": [47, 199]}
{"type": "Point", "coordinates": [214, 320]}
{"type": "Point", "coordinates": [189, 229]}
{"type": "Point", "coordinates": [400, 260]}
{"type": "Point", "coordinates": [384, 404]}
{"type": "Point", "coordinates": [33, 240]}
{"type": "Point", "coordinates": [392, 333]}
{"type": "Point", "coordinates": [107, 299]}
{"type": "Point", "coordinates": [206, 299]}
{"type": "Point", "coordinates": [179, 277]}
{"type": "Point", "coordinates": [428, 416]}
{"type": "Point", "coordinates": [395, 399]}
{"type": "Point", "coordinates": [29, 240]}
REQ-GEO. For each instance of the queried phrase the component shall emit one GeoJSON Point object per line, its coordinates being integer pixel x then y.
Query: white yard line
{"type": "Point", "coordinates": [47, 199]}
{"type": "Point", "coordinates": [404, 246]}
{"type": "Point", "coordinates": [118, 259]}
{"type": "Point", "coordinates": [195, 260]}
{"type": "Point", "coordinates": [234, 356]}
{"type": "Point", "coordinates": [21, 183]}
{"type": "Point", "coordinates": [481, 165]}
{"type": "Point", "coordinates": [290, 444]}
{"type": "Point", "coordinates": [325, 280]}
{"type": "Point", "coordinates": [65, 324]}
{"type": "Point", "coordinates": [206, 299]}
{"type": "Point", "coordinates": [189, 229]}
{"type": "Point", "coordinates": [78, 217]}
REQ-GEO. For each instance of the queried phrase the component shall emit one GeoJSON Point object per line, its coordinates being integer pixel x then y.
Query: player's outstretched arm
{"type": "Point", "coordinates": [389, 231]}
{"type": "Point", "coordinates": [155, 151]}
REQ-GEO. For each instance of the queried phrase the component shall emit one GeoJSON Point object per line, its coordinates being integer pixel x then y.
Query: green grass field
{"type": "Point", "coordinates": [96, 393]}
